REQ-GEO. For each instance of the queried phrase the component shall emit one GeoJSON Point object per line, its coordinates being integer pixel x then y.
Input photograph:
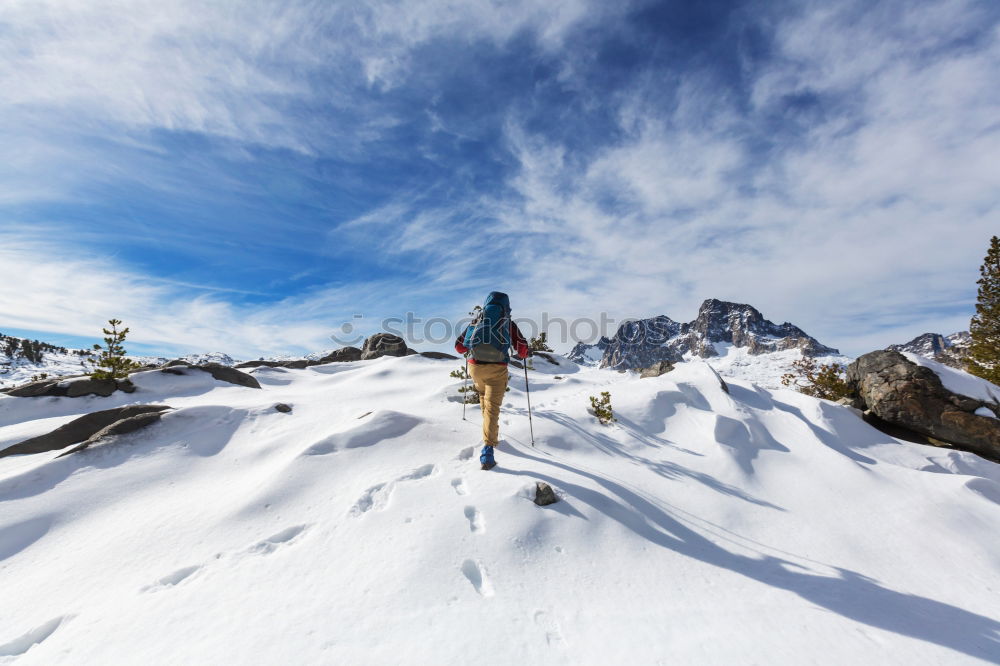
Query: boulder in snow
{"type": "Point", "coordinates": [544, 495]}
{"type": "Point", "coordinates": [899, 392]}
{"type": "Point", "coordinates": [283, 408]}
{"type": "Point", "coordinates": [120, 427]}
{"type": "Point", "coordinates": [438, 355]}
{"type": "Point", "coordinates": [342, 355]}
{"type": "Point", "coordinates": [223, 373]}
{"type": "Point", "coordinates": [657, 369]}
{"type": "Point", "coordinates": [384, 344]}
{"type": "Point", "coordinates": [79, 429]}
{"type": "Point", "coordinates": [73, 387]}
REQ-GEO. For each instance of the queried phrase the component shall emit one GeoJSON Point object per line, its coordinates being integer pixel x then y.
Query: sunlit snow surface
{"type": "Point", "coordinates": [701, 528]}
{"type": "Point", "coordinates": [762, 369]}
{"type": "Point", "coordinates": [959, 382]}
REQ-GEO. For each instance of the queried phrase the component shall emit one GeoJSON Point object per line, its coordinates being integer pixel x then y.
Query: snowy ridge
{"type": "Point", "coordinates": [358, 528]}
{"type": "Point", "coordinates": [719, 325]}
{"type": "Point", "coordinates": [949, 350]}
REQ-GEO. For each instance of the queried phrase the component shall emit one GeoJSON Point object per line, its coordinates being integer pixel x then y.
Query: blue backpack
{"type": "Point", "coordinates": [488, 337]}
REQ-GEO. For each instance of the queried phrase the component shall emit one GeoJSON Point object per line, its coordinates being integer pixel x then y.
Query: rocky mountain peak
{"type": "Point", "coordinates": [641, 342]}
{"type": "Point", "coordinates": [947, 349]}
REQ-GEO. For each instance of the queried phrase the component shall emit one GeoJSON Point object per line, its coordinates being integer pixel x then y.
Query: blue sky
{"type": "Point", "coordinates": [247, 176]}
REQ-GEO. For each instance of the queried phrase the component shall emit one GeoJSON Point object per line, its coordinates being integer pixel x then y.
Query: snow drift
{"type": "Point", "coordinates": [753, 526]}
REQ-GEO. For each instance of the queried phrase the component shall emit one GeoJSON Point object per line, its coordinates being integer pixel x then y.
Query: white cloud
{"type": "Point", "coordinates": [863, 226]}
{"type": "Point", "coordinates": [866, 230]}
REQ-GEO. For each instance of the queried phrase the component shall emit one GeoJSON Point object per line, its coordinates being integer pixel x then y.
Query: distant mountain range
{"type": "Point", "coordinates": [21, 359]}
{"type": "Point", "coordinates": [734, 337]}
{"type": "Point", "coordinates": [719, 325]}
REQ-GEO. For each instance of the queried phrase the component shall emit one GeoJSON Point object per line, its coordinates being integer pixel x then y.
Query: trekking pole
{"type": "Point", "coordinates": [527, 392]}
{"type": "Point", "coordinates": [465, 387]}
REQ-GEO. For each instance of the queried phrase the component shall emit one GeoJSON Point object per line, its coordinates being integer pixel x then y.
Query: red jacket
{"type": "Point", "coordinates": [517, 341]}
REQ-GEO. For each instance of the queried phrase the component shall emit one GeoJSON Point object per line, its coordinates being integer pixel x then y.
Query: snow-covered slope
{"type": "Point", "coordinates": [765, 370]}
{"type": "Point", "coordinates": [959, 381]}
{"type": "Point", "coordinates": [701, 528]}
{"type": "Point", "coordinates": [16, 370]}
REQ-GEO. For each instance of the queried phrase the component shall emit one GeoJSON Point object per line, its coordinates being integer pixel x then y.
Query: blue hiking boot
{"type": "Point", "coordinates": [486, 458]}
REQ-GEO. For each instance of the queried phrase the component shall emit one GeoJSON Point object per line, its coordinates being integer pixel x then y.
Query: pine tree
{"type": "Point", "coordinates": [112, 363]}
{"type": "Point", "coordinates": [984, 353]}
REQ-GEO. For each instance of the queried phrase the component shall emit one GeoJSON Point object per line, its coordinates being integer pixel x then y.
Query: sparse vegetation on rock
{"type": "Point", "coordinates": [820, 380]}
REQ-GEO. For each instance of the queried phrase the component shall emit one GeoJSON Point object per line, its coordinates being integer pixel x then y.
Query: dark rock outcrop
{"type": "Point", "coordinates": [80, 429]}
{"type": "Point", "coordinates": [121, 427]}
{"type": "Point", "coordinates": [376, 346]}
{"type": "Point", "coordinates": [297, 364]}
{"type": "Point", "coordinates": [342, 355]}
{"type": "Point", "coordinates": [643, 342]}
{"type": "Point", "coordinates": [903, 395]}
{"type": "Point", "coordinates": [71, 387]}
{"type": "Point", "coordinates": [544, 495]}
{"type": "Point", "coordinates": [283, 408]}
{"type": "Point", "coordinates": [384, 344]}
{"type": "Point", "coordinates": [438, 355]}
{"type": "Point", "coordinates": [657, 369]}
{"type": "Point", "coordinates": [223, 373]}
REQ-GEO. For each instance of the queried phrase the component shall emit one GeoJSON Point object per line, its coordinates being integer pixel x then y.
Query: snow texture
{"type": "Point", "coordinates": [758, 526]}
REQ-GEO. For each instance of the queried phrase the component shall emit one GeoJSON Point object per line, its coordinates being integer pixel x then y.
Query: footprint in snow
{"type": "Point", "coordinates": [466, 453]}
{"type": "Point", "coordinates": [476, 574]}
{"type": "Point", "coordinates": [421, 472]}
{"type": "Point", "coordinates": [377, 497]}
{"type": "Point", "coordinates": [171, 579]}
{"type": "Point", "coordinates": [26, 641]}
{"type": "Point", "coordinates": [459, 486]}
{"type": "Point", "coordinates": [475, 520]}
{"type": "Point", "coordinates": [271, 543]}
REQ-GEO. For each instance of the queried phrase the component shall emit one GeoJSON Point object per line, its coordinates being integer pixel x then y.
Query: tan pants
{"type": "Point", "coordinates": [491, 382]}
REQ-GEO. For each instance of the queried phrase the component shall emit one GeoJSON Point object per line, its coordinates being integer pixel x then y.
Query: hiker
{"type": "Point", "coordinates": [485, 344]}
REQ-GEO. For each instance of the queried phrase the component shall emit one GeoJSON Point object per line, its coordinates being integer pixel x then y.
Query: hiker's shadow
{"type": "Point", "coordinates": [666, 469]}
{"type": "Point", "coordinates": [846, 592]}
